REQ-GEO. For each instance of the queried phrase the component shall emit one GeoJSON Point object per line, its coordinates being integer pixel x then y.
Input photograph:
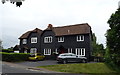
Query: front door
{"type": "Point", "coordinates": [62, 50]}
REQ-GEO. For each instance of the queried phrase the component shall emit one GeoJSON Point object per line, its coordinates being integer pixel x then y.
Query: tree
{"type": "Point", "coordinates": [113, 39]}
{"type": "Point", "coordinates": [0, 45]}
{"type": "Point", "coordinates": [18, 2]}
{"type": "Point", "coordinates": [94, 44]}
{"type": "Point", "coordinates": [98, 49]}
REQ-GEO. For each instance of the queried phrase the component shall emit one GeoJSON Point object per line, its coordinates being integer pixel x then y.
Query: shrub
{"type": "Point", "coordinates": [7, 50]}
{"type": "Point", "coordinates": [14, 57]}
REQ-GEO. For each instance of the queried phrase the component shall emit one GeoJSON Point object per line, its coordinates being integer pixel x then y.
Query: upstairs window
{"type": "Point", "coordinates": [24, 41]}
{"type": "Point", "coordinates": [60, 39]}
{"type": "Point", "coordinates": [34, 40]}
{"type": "Point", "coordinates": [80, 38]}
{"type": "Point", "coordinates": [48, 39]}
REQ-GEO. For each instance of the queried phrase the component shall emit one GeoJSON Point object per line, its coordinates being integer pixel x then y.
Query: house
{"type": "Point", "coordinates": [56, 40]}
{"type": "Point", "coordinates": [30, 41]}
{"type": "Point", "coordinates": [16, 48]}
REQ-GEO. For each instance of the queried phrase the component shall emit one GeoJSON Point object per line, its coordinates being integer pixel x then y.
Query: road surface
{"type": "Point", "coordinates": [15, 69]}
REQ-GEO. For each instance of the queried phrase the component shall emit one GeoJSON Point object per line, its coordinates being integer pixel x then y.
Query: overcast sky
{"type": "Point", "coordinates": [15, 21]}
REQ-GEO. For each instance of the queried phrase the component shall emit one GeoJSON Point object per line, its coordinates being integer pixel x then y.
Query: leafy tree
{"type": "Point", "coordinates": [94, 44]}
{"type": "Point", "coordinates": [0, 45]}
{"type": "Point", "coordinates": [113, 39]}
{"type": "Point", "coordinates": [98, 49]}
{"type": "Point", "coordinates": [18, 2]}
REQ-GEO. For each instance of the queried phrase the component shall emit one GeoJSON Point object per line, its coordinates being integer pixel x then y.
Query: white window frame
{"type": "Point", "coordinates": [48, 39]}
{"type": "Point", "coordinates": [60, 39]}
{"type": "Point", "coordinates": [33, 50]}
{"type": "Point", "coordinates": [56, 51]}
{"type": "Point", "coordinates": [47, 51]}
{"type": "Point", "coordinates": [24, 41]}
{"type": "Point", "coordinates": [80, 38]}
{"type": "Point", "coordinates": [69, 50]}
{"type": "Point", "coordinates": [34, 40]}
{"type": "Point", "coordinates": [80, 51]}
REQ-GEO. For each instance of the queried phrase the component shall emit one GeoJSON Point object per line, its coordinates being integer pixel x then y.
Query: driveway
{"type": "Point", "coordinates": [38, 63]}
{"type": "Point", "coordinates": [30, 68]}
{"type": "Point", "coordinates": [10, 68]}
{"type": "Point", "coordinates": [41, 63]}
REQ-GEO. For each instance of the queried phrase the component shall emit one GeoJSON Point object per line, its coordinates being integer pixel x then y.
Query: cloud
{"type": "Point", "coordinates": [39, 13]}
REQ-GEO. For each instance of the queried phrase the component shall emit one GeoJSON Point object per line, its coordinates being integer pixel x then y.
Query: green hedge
{"type": "Point", "coordinates": [7, 50]}
{"type": "Point", "coordinates": [14, 57]}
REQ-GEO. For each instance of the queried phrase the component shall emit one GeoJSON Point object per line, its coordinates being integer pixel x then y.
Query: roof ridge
{"type": "Point", "coordinates": [36, 29]}
{"type": "Point", "coordinates": [26, 34]}
{"type": "Point", "coordinates": [72, 25]}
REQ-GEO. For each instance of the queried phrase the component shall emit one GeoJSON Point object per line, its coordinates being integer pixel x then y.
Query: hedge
{"type": "Point", "coordinates": [14, 57]}
{"type": "Point", "coordinates": [7, 50]}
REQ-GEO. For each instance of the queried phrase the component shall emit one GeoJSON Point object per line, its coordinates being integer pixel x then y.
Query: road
{"type": "Point", "coordinates": [0, 67]}
{"type": "Point", "coordinates": [15, 69]}
{"type": "Point", "coordinates": [41, 63]}
{"type": "Point", "coordinates": [38, 63]}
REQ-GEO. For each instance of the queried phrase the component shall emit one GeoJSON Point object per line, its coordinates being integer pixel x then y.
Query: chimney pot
{"type": "Point", "coordinates": [50, 26]}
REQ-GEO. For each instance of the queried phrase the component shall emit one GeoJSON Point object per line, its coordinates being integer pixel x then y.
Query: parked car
{"type": "Point", "coordinates": [36, 56]}
{"type": "Point", "coordinates": [70, 57]}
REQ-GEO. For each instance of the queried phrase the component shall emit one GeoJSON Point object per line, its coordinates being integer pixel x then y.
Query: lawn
{"type": "Point", "coordinates": [86, 68]}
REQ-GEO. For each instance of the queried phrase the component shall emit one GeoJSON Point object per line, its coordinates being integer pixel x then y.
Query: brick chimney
{"type": "Point", "coordinates": [50, 26]}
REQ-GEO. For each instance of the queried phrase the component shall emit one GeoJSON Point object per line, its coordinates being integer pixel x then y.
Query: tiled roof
{"type": "Point", "coordinates": [71, 29]}
{"type": "Point", "coordinates": [16, 47]}
{"type": "Point", "coordinates": [25, 35]}
{"type": "Point", "coordinates": [63, 30]}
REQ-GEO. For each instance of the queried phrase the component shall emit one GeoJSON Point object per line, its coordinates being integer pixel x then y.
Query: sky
{"type": "Point", "coordinates": [14, 21]}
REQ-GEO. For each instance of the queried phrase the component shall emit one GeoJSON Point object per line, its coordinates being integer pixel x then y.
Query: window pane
{"type": "Point", "coordinates": [24, 41]}
{"type": "Point", "coordinates": [34, 40]}
{"type": "Point", "coordinates": [82, 38]}
{"type": "Point", "coordinates": [60, 39]}
{"type": "Point", "coordinates": [83, 51]}
{"type": "Point", "coordinates": [33, 50]}
{"type": "Point", "coordinates": [47, 51]}
{"type": "Point", "coordinates": [80, 51]}
{"type": "Point", "coordinates": [78, 37]}
{"type": "Point", "coordinates": [51, 39]}
{"type": "Point", "coordinates": [48, 39]}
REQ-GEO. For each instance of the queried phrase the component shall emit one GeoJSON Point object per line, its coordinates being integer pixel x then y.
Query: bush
{"type": "Point", "coordinates": [14, 57]}
{"type": "Point", "coordinates": [7, 50]}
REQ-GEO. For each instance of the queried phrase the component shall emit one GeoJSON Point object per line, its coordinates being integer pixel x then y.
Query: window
{"type": "Point", "coordinates": [25, 51]}
{"type": "Point", "coordinates": [80, 51]}
{"type": "Point", "coordinates": [24, 41]}
{"type": "Point", "coordinates": [80, 38]}
{"type": "Point", "coordinates": [56, 51]}
{"type": "Point", "coordinates": [60, 39]}
{"type": "Point", "coordinates": [48, 39]}
{"type": "Point", "coordinates": [69, 50]}
{"type": "Point", "coordinates": [47, 51]}
{"type": "Point", "coordinates": [34, 40]}
{"type": "Point", "coordinates": [33, 50]}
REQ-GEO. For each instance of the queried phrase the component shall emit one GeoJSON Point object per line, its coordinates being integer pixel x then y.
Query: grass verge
{"type": "Point", "coordinates": [84, 68]}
